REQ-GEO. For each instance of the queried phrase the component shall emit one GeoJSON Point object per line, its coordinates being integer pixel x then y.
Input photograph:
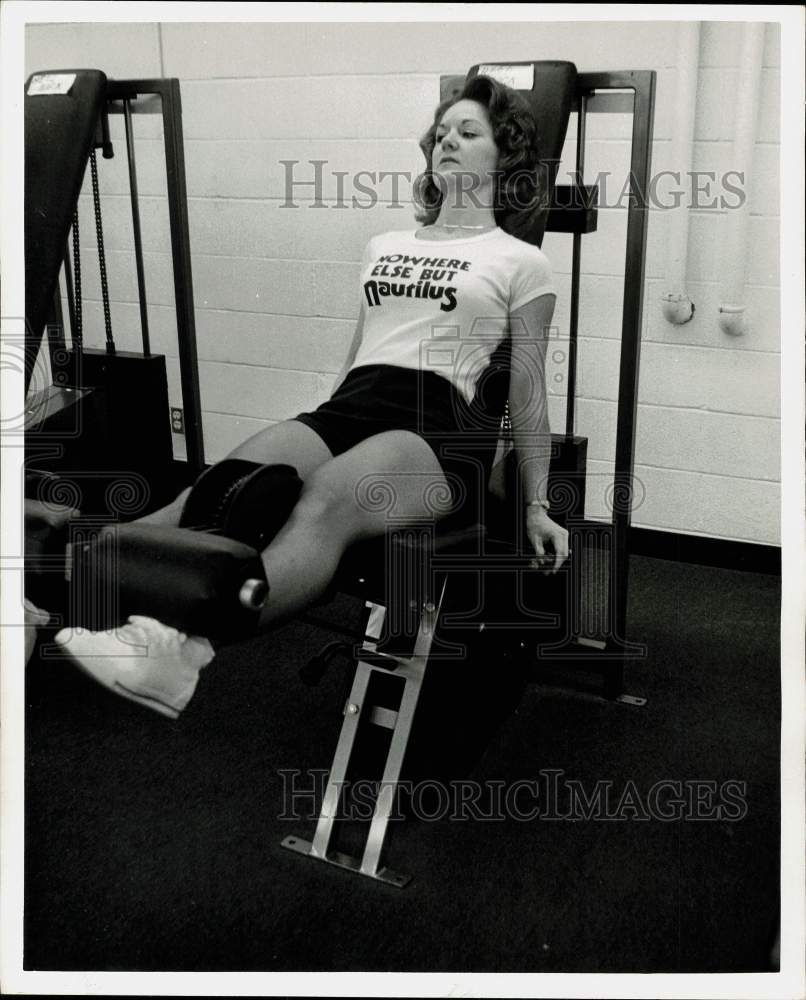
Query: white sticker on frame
{"type": "Point", "coordinates": [517, 77]}
{"type": "Point", "coordinates": [51, 83]}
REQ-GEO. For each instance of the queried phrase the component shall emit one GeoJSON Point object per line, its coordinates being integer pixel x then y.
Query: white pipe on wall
{"type": "Point", "coordinates": [736, 223]}
{"type": "Point", "coordinates": [677, 306]}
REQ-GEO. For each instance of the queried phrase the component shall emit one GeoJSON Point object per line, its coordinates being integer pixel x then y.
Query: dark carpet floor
{"type": "Point", "coordinates": [153, 845]}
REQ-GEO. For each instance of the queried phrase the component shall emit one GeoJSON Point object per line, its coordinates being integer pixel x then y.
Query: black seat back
{"type": "Point", "coordinates": [551, 99]}
{"type": "Point", "coordinates": [59, 134]}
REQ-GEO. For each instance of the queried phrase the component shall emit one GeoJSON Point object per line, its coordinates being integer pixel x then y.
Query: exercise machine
{"type": "Point", "coordinates": [99, 435]}
{"type": "Point", "coordinates": [422, 619]}
{"type": "Point", "coordinates": [98, 440]}
{"type": "Point", "coordinates": [434, 594]}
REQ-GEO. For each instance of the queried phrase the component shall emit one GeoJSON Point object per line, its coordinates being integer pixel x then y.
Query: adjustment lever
{"type": "Point", "coordinates": [312, 672]}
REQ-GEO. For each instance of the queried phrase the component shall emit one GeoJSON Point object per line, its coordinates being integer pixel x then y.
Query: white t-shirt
{"type": "Point", "coordinates": [444, 306]}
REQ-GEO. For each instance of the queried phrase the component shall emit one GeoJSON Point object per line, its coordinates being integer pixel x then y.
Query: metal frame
{"type": "Point", "coordinates": [622, 92]}
{"type": "Point", "coordinates": [125, 97]}
{"type": "Point", "coordinates": [573, 210]}
{"type": "Point", "coordinates": [412, 671]}
{"type": "Point", "coordinates": [400, 637]}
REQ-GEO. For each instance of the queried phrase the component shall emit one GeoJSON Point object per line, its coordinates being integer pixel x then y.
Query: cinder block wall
{"type": "Point", "coordinates": [276, 287]}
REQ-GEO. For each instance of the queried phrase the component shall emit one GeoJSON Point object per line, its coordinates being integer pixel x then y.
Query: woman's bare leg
{"type": "Point", "coordinates": [391, 475]}
{"type": "Point", "coordinates": [350, 497]}
{"type": "Point", "coordinates": [168, 515]}
{"type": "Point", "coordinates": [289, 442]}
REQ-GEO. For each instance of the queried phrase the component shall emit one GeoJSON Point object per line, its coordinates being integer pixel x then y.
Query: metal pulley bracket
{"type": "Point", "coordinates": [102, 138]}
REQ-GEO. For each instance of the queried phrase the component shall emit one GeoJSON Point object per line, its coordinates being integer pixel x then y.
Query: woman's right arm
{"type": "Point", "coordinates": [351, 353]}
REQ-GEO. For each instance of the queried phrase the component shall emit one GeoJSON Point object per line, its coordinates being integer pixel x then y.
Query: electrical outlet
{"type": "Point", "coordinates": [177, 420]}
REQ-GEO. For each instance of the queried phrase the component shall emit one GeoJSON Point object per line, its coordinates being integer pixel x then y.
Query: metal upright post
{"type": "Point", "coordinates": [625, 92]}
{"type": "Point", "coordinates": [171, 111]}
{"type": "Point", "coordinates": [183, 276]}
{"type": "Point", "coordinates": [68, 281]}
{"type": "Point", "coordinates": [576, 258]}
{"type": "Point", "coordinates": [138, 242]}
{"type": "Point", "coordinates": [643, 84]}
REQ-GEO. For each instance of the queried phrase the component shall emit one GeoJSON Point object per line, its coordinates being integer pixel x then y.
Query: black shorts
{"type": "Point", "coordinates": [377, 398]}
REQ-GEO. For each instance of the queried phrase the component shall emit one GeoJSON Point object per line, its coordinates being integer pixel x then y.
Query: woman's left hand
{"type": "Point", "coordinates": [549, 540]}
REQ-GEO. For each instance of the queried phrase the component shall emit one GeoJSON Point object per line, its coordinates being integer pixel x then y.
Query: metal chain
{"type": "Point", "coordinates": [99, 231]}
{"type": "Point", "coordinates": [506, 426]}
{"type": "Point", "coordinates": [79, 330]}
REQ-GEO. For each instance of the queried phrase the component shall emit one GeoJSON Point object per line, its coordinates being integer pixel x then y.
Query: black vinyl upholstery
{"type": "Point", "coordinates": [59, 134]}
{"type": "Point", "coordinates": [550, 100]}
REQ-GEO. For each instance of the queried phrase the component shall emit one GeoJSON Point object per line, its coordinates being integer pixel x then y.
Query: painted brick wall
{"type": "Point", "coordinates": [275, 287]}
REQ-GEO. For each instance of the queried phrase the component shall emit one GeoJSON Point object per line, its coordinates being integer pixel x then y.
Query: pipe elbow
{"type": "Point", "coordinates": [677, 308]}
{"type": "Point", "coordinates": [732, 320]}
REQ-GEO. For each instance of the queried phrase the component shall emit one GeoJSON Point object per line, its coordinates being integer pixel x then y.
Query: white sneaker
{"type": "Point", "coordinates": [145, 661]}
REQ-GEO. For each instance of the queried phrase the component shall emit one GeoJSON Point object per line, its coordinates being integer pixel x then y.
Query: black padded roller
{"type": "Point", "coordinates": [47, 527]}
{"type": "Point", "coordinates": [242, 500]}
{"type": "Point", "coordinates": [199, 583]}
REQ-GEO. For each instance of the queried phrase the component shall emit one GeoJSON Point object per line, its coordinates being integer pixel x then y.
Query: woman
{"type": "Point", "coordinates": [436, 302]}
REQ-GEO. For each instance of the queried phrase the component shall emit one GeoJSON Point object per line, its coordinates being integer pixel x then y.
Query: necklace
{"type": "Point", "coordinates": [445, 225]}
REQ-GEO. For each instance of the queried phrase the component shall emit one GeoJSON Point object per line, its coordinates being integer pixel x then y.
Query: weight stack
{"type": "Point", "coordinates": [537, 607]}
{"type": "Point", "coordinates": [136, 471]}
{"type": "Point", "coordinates": [546, 603]}
{"type": "Point", "coordinates": [566, 493]}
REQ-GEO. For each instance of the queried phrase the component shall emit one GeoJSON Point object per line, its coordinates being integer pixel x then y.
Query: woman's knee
{"type": "Point", "coordinates": [326, 501]}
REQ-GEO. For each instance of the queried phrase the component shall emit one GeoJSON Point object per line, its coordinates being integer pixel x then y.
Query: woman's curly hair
{"type": "Point", "coordinates": [519, 188]}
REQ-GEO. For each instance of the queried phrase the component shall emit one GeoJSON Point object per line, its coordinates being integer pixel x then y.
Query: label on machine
{"type": "Point", "coordinates": [51, 83]}
{"type": "Point", "coordinates": [519, 77]}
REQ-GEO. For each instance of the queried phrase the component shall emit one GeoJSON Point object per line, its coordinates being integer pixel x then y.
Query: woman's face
{"type": "Point", "coordinates": [465, 147]}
